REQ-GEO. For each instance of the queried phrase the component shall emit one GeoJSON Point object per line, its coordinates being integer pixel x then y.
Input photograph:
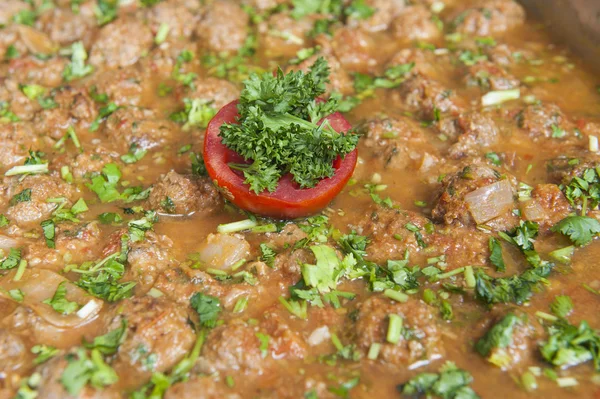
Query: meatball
{"type": "Point", "coordinates": [489, 76]}
{"type": "Point", "coordinates": [184, 195]}
{"type": "Point", "coordinates": [123, 86]}
{"type": "Point", "coordinates": [146, 259]}
{"type": "Point", "coordinates": [90, 163]}
{"type": "Point", "coordinates": [353, 49]}
{"type": "Point", "coordinates": [233, 347]}
{"type": "Point", "coordinates": [51, 388]}
{"type": "Point", "coordinates": [519, 349]}
{"type": "Point", "coordinates": [563, 169]}
{"type": "Point", "coordinates": [27, 197]}
{"type": "Point", "coordinates": [74, 108]}
{"type": "Point", "coordinates": [75, 243]}
{"type": "Point", "coordinates": [121, 43]}
{"type": "Point", "coordinates": [489, 17]}
{"type": "Point", "coordinates": [425, 62]}
{"type": "Point", "coordinates": [421, 339]}
{"type": "Point", "coordinates": [476, 195]}
{"type": "Point", "coordinates": [10, 93]}
{"type": "Point", "coordinates": [398, 143]}
{"type": "Point", "coordinates": [217, 92]}
{"type": "Point", "coordinates": [16, 139]}
{"type": "Point", "coordinates": [285, 35]}
{"type": "Point", "coordinates": [389, 235]}
{"type": "Point", "coordinates": [547, 206]}
{"type": "Point", "coordinates": [180, 20]}
{"type": "Point", "coordinates": [384, 11]}
{"type": "Point", "coordinates": [545, 121]}
{"type": "Point", "coordinates": [224, 26]}
{"type": "Point", "coordinates": [415, 23]}
{"type": "Point", "coordinates": [137, 126]}
{"type": "Point", "coordinates": [158, 335]}
{"type": "Point", "coordinates": [65, 26]}
{"type": "Point", "coordinates": [13, 351]}
{"type": "Point", "coordinates": [472, 132]}
{"type": "Point", "coordinates": [31, 70]}
{"type": "Point", "coordinates": [424, 96]}
{"type": "Point", "coordinates": [180, 283]}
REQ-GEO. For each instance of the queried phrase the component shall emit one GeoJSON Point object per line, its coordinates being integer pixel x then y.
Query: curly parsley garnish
{"type": "Point", "coordinates": [279, 129]}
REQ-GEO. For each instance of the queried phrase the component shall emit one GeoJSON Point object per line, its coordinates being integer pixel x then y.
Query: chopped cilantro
{"type": "Point", "coordinates": [568, 345]}
{"type": "Point", "coordinates": [59, 301]}
{"type": "Point", "coordinates": [562, 306]}
{"type": "Point", "coordinates": [110, 218]}
{"type": "Point", "coordinates": [198, 166]}
{"type": "Point", "coordinates": [76, 68]}
{"type": "Point", "coordinates": [12, 260]}
{"type": "Point", "coordinates": [581, 230]}
{"type": "Point", "coordinates": [23, 196]}
{"type": "Point", "coordinates": [103, 113]}
{"type": "Point", "coordinates": [108, 343]}
{"type": "Point", "coordinates": [135, 154]}
{"type": "Point", "coordinates": [449, 383]}
{"type": "Point", "coordinates": [499, 336]}
{"type": "Point", "coordinates": [496, 254]}
{"type": "Point", "coordinates": [106, 11]}
{"type": "Point", "coordinates": [208, 308]}
{"type": "Point", "coordinates": [48, 229]}
{"type": "Point", "coordinates": [43, 352]}
{"type": "Point", "coordinates": [82, 370]}
{"type": "Point", "coordinates": [197, 113]}
{"type": "Point", "coordinates": [267, 254]}
{"type": "Point", "coordinates": [4, 221]}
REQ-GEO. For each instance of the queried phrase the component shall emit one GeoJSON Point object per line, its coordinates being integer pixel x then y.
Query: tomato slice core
{"type": "Point", "coordinates": [288, 201]}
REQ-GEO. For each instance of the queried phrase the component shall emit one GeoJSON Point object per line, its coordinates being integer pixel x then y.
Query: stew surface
{"type": "Point", "coordinates": [458, 262]}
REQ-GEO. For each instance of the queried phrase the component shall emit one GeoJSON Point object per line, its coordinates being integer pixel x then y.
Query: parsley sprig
{"type": "Point", "coordinates": [279, 132]}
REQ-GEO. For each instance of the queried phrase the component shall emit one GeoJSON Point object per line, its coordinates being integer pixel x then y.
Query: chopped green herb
{"type": "Point", "coordinates": [208, 308]}
{"type": "Point", "coordinates": [581, 230]}
{"type": "Point", "coordinates": [562, 306]}
{"type": "Point", "coordinates": [108, 343]}
{"type": "Point", "coordinates": [82, 370]}
{"type": "Point", "coordinates": [59, 301]}
{"type": "Point", "coordinates": [77, 68]}
{"type": "Point", "coordinates": [48, 229]}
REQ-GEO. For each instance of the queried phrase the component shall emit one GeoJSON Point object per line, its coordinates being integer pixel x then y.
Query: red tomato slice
{"type": "Point", "coordinates": [288, 201]}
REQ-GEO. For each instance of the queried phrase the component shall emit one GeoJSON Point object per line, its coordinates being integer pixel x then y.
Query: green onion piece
{"type": "Point", "coordinates": [163, 32]}
{"type": "Point", "coordinates": [500, 96]}
{"type": "Point", "coordinates": [155, 293]}
{"type": "Point", "coordinates": [450, 273]}
{"type": "Point", "coordinates": [470, 277]}
{"type": "Point", "coordinates": [565, 382]}
{"type": "Point", "coordinates": [27, 169]}
{"type": "Point", "coordinates": [394, 332]}
{"type": "Point", "coordinates": [265, 228]}
{"type": "Point", "coordinates": [374, 351]}
{"type": "Point", "coordinates": [20, 270]}
{"type": "Point", "coordinates": [241, 305]}
{"type": "Point", "coordinates": [395, 295]}
{"type": "Point", "coordinates": [563, 255]}
{"type": "Point", "coordinates": [234, 227]}
{"type": "Point", "coordinates": [546, 316]}
{"type": "Point", "coordinates": [529, 382]}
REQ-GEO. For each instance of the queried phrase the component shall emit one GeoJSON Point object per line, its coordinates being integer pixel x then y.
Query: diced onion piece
{"type": "Point", "coordinates": [7, 243]}
{"type": "Point", "coordinates": [533, 211]}
{"type": "Point", "coordinates": [318, 336]}
{"type": "Point", "coordinates": [223, 251]}
{"type": "Point", "coordinates": [500, 96]}
{"type": "Point", "coordinates": [593, 143]}
{"type": "Point", "coordinates": [38, 285]}
{"type": "Point", "coordinates": [155, 293]}
{"type": "Point", "coordinates": [491, 201]}
{"type": "Point", "coordinates": [88, 309]}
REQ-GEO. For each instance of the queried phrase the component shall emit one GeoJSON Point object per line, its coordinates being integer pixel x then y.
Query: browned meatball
{"type": "Point", "coordinates": [224, 26]}
{"type": "Point", "coordinates": [180, 20]}
{"type": "Point", "coordinates": [422, 340]}
{"type": "Point", "coordinates": [65, 26]}
{"type": "Point", "coordinates": [548, 206]}
{"type": "Point", "coordinates": [424, 96]}
{"type": "Point", "coordinates": [489, 17]}
{"type": "Point", "coordinates": [353, 48]}
{"type": "Point", "coordinates": [390, 238]}
{"type": "Point", "coordinates": [415, 23]}
{"type": "Point", "coordinates": [563, 169]}
{"type": "Point", "coordinates": [158, 336]}
{"type": "Point", "coordinates": [397, 143]}
{"type": "Point", "coordinates": [75, 108]}
{"type": "Point", "coordinates": [123, 86]}
{"type": "Point", "coordinates": [51, 387]}
{"type": "Point", "coordinates": [489, 76]}
{"type": "Point", "coordinates": [184, 195]}
{"type": "Point", "coordinates": [233, 347]}
{"type": "Point", "coordinates": [477, 194]}
{"type": "Point", "coordinates": [16, 139]}
{"type": "Point", "coordinates": [473, 132]}
{"type": "Point", "coordinates": [284, 35]}
{"type": "Point", "coordinates": [121, 43]}
{"type": "Point", "coordinates": [25, 200]}
{"type": "Point", "coordinates": [217, 92]}
{"type": "Point", "coordinates": [545, 121]}
{"type": "Point", "coordinates": [128, 126]}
